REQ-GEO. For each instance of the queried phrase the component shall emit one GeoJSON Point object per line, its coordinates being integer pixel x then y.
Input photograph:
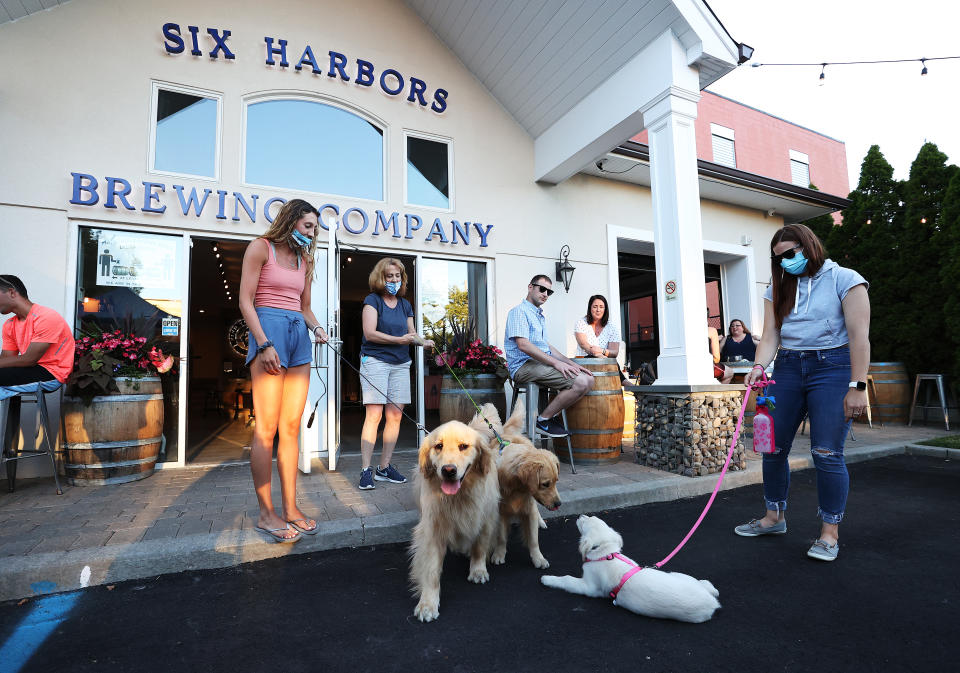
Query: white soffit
{"type": "Point", "coordinates": [11, 10]}
{"type": "Point", "coordinates": [540, 57]}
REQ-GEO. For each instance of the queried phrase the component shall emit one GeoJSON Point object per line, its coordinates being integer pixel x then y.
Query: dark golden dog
{"type": "Point", "coordinates": [458, 495]}
{"type": "Point", "coordinates": [527, 475]}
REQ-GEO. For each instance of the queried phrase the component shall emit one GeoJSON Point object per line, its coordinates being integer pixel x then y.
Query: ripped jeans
{"type": "Point", "coordinates": [811, 383]}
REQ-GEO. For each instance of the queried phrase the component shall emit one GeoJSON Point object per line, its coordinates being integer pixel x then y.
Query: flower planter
{"type": "Point", "coordinates": [483, 388]}
{"type": "Point", "coordinates": [117, 438]}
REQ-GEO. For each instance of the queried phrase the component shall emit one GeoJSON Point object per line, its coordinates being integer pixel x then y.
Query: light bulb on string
{"type": "Point", "coordinates": [924, 62]}
{"type": "Point", "coordinates": [823, 75]}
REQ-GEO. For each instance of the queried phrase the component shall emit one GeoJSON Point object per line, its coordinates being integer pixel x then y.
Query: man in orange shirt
{"type": "Point", "coordinates": [37, 354]}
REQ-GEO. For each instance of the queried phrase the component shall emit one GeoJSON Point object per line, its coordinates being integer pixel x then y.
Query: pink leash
{"type": "Point", "coordinates": [736, 435]}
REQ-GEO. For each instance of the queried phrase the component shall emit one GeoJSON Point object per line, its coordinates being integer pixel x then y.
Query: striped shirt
{"type": "Point", "coordinates": [527, 321]}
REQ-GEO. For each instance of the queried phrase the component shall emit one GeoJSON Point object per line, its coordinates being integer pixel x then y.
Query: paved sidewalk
{"type": "Point", "coordinates": [204, 517]}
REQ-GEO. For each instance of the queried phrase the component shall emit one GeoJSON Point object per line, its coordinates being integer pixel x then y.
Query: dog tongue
{"type": "Point", "coordinates": [450, 487]}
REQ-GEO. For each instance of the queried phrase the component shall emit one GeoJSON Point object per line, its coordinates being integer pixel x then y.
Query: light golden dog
{"type": "Point", "coordinates": [527, 475]}
{"type": "Point", "coordinates": [458, 495]}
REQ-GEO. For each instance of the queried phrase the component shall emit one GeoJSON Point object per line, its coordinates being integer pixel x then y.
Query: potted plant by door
{"type": "Point", "coordinates": [480, 371]}
{"type": "Point", "coordinates": [112, 414]}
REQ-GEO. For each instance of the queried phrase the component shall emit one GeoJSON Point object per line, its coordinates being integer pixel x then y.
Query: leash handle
{"type": "Point", "coordinates": [759, 386]}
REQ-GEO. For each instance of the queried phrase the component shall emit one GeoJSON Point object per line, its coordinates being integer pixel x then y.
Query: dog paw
{"type": "Point", "coordinates": [499, 557]}
{"type": "Point", "coordinates": [539, 561]}
{"type": "Point", "coordinates": [550, 581]}
{"type": "Point", "coordinates": [542, 524]}
{"type": "Point", "coordinates": [426, 612]}
{"type": "Point", "coordinates": [479, 576]}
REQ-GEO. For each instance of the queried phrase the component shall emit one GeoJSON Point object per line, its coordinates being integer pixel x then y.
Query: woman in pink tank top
{"type": "Point", "coordinates": [275, 303]}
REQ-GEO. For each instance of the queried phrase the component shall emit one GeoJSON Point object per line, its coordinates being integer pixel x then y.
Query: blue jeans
{"type": "Point", "coordinates": [811, 383]}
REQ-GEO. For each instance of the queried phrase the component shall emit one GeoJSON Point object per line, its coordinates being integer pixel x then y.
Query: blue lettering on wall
{"type": "Point", "coordinates": [281, 50]}
{"type": "Point", "coordinates": [266, 207]}
{"type": "Point", "coordinates": [383, 81]}
{"type": "Point", "coordinates": [436, 230]}
{"type": "Point", "coordinates": [192, 200]}
{"type": "Point", "coordinates": [417, 88]}
{"type": "Point", "coordinates": [196, 45]}
{"type": "Point", "coordinates": [309, 59]}
{"type": "Point", "coordinates": [173, 42]}
{"type": "Point", "coordinates": [410, 228]}
{"type": "Point", "coordinates": [337, 64]}
{"type": "Point", "coordinates": [239, 201]}
{"type": "Point", "coordinates": [149, 197]}
{"type": "Point", "coordinates": [384, 223]}
{"type": "Point", "coordinates": [439, 101]}
{"type": "Point", "coordinates": [90, 188]}
{"type": "Point", "coordinates": [113, 193]}
{"type": "Point", "coordinates": [364, 73]}
{"type": "Point", "coordinates": [220, 43]}
{"type": "Point", "coordinates": [354, 220]}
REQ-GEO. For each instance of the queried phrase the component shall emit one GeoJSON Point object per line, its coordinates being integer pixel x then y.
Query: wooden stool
{"type": "Point", "coordinates": [10, 454]}
{"type": "Point", "coordinates": [938, 380]}
{"type": "Point", "coordinates": [532, 393]}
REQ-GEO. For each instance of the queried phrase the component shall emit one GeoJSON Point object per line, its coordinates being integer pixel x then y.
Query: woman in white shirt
{"type": "Point", "coordinates": [596, 335]}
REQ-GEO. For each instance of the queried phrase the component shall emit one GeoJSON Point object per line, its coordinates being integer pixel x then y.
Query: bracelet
{"type": "Point", "coordinates": [316, 328]}
{"type": "Point", "coordinates": [755, 366]}
{"type": "Point", "coordinates": [264, 346]}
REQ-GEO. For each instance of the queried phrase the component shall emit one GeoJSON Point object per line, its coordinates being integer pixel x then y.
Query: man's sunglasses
{"type": "Point", "coordinates": [789, 254]}
{"type": "Point", "coordinates": [542, 288]}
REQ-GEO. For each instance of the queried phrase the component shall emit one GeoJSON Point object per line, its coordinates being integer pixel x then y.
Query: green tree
{"type": "Point", "coordinates": [948, 241]}
{"type": "Point", "coordinates": [919, 333]}
{"type": "Point", "coordinates": [867, 242]}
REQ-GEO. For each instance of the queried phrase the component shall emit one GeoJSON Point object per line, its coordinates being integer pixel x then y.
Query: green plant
{"type": "Point", "coordinates": [465, 353]}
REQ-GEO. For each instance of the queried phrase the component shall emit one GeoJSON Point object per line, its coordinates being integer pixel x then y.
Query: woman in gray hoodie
{"type": "Point", "coordinates": [816, 322]}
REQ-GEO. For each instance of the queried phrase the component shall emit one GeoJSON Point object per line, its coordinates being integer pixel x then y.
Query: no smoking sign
{"type": "Point", "coordinates": [670, 290]}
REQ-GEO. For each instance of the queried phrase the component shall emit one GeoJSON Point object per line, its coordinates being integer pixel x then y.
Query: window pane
{"type": "Point", "coordinates": [723, 152]}
{"type": "Point", "coordinates": [313, 147]}
{"type": "Point", "coordinates": [428, 180]}
{"type": "Point", "coordinates": [131, 281]}
{"type": "Point", "coordinates": [799, 173]}
{"type": "Point", "coordinates": [186, 140]}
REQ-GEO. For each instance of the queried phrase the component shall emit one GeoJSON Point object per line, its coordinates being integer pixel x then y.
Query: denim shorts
{"type": "Point", "coordinates": [288, 332]}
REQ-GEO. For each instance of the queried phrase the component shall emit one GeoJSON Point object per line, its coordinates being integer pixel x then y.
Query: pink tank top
{"type": "Point", "coordinates": [280, 287]}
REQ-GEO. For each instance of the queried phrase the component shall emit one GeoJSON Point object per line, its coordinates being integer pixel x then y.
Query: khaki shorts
{"type": "Point", "coordinates": [543, 375]}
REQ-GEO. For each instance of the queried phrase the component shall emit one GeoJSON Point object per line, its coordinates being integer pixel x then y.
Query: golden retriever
{"type": "Point", "coordinates": [458, 494]}
{"type": "Point", "coordinates": [527, 475]}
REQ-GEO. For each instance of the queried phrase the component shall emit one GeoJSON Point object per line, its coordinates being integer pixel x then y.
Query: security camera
{"type": "Point", "coordinates": [599, 164]}
{"type": "Point", "coordinates": [771, 212]}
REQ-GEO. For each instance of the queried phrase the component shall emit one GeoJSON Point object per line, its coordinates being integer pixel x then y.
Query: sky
{"type": "Point", "coordinates": [890, 105]}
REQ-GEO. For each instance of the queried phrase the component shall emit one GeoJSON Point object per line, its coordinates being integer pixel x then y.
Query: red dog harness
{"type": "Point", "coordinates": [634, 569]}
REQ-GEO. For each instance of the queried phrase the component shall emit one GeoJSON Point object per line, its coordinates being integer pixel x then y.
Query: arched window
{"type": "Point", "coordinates": [313, 147]}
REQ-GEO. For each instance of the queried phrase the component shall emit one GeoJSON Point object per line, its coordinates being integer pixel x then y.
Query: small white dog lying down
{"type": "Point", "coordinates": [649, 591]}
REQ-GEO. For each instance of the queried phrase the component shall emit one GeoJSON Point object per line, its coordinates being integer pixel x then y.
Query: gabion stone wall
{"type": "Point", "coordinates": [688, 433]}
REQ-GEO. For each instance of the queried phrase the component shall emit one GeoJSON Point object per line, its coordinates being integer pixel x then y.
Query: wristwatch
{"type": "Point", "coordinates": [264, 346]}
{"type": "Point", "coordinates": [859, 385]}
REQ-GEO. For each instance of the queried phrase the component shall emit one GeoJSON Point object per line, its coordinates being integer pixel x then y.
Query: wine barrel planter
{"type": "Point", "coordinates": [596, 421]}
{"type": "Point", "coordinates": [117, 438]}
{"type": "Point", "coordinates": [455, 405]}
{"type": "Point", "coordinates": [892, 404]}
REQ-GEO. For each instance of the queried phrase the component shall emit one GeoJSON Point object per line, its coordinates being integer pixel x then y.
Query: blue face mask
{"type": "Point", "coordinates": [393, 288]}
{"type": "Point", "coordinates": [795, 265]}
{"type": "Point", "coordinates": [301, 240]}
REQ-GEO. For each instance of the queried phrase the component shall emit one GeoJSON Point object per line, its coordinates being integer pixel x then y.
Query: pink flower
{"type": "Point", "coordinates": [165, 366]}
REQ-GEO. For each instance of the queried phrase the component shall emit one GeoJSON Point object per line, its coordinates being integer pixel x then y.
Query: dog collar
{"type": "Point", "coordinates": [634, 569]}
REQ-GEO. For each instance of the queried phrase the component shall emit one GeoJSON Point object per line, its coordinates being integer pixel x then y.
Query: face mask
{"type": "Point", "coordinates": [393, 288]}
{"type": "Point", "coordinates": [301, 240]}
{"type": "Point", "coordinates": [795, 265]}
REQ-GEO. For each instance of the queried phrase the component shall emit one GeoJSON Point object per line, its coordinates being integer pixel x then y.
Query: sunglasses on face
{"type": "Point", "coordinates": [788, 254]}
{"type": "Point", "coordinates": [541, 288]}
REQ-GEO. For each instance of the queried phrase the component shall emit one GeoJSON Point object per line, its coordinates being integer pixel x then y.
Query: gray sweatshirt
{"type": "Point", "coordinates": [816, 320]}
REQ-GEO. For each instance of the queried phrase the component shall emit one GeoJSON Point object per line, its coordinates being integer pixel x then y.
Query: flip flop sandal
{"type": "Point", "coordinates": [278, 539]}
{"type": "Point", "coordinates": [303, 529]}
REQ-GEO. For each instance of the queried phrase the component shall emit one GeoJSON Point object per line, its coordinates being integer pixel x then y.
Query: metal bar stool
{"type": "Point", "coordinates": [532, 396]}
{"type": "Point", "coordinates": [938, 380]}
{"type": "Point", "coordinates": [10, 454]}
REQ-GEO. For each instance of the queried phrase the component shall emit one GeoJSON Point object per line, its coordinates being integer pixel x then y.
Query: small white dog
{"type": "Point", "coordinates": [649, 591]}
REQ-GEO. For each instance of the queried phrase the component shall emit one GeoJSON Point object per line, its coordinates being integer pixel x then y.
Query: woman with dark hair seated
{"type": "Point", "coordinates": [597, 336]}
{"type": "Point", "coordinates": [738, 342]}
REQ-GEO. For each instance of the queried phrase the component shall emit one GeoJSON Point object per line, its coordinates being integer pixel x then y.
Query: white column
{"type": "Point", "coordinates": [678, 239]}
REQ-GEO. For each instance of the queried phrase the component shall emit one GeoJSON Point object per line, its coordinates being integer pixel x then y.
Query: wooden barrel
{"type": "Point", "coordinates": [892, 404]}
{"type": "Point", "coordinates": [117, 438]}
{"type": "Point", "coordinates": [629, 415]}
{"type": "Point", "coordinates": [455, 405]}
{"type": "Point", "coordinates": [596, 420]}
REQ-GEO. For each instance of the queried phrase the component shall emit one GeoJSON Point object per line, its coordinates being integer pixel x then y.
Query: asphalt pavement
{"type": "Point", "coordinates": [889, 603]}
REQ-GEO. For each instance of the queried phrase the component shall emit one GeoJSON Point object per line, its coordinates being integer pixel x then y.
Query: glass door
{"type": "Point", "coordinates": [132, 283]}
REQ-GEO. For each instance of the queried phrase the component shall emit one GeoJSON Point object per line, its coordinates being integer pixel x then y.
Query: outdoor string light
{"type": "Point", "coordinates": [823, 65]}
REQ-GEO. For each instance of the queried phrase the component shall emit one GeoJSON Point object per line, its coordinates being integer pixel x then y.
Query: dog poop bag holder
{"type": "Point", "coordinates": [763, 441]}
